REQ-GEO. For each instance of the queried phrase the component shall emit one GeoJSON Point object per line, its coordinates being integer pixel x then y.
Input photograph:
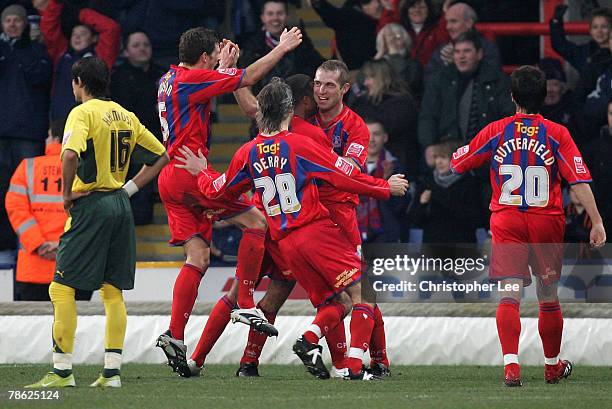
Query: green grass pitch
{"type": "Point", "coordinates": [154, 386]}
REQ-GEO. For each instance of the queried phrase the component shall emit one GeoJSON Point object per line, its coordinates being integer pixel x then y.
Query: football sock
{"type": "Point", "coordinates": [508, 319]}
{"type": "Point", "coordinates": [116, 322]}
{"type": "Point", "coordinates": [216, 323]}
{"type": "Point", "coordinates": [250, 253]}
{"type": "Point", "coordinates": [378, 342]}
{"type": "Point", "coordinates": [550, 327]}
{"type": "Point", "coordinates": [362, 323]}
{"type": "Point", "coordinates": [183, 298]}
{"type": "Point", "coordinates": [336, 341]}
{"type": "Point", "coordinates": [328, 316]}
{"type": "Point", "coordinates": [64, 327]}
{"type": "Point", "coordinates": [256, 341]}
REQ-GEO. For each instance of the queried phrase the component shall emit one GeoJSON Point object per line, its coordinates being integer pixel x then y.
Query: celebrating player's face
{"type": "Point", "coordinates": [327, 90]}
{"type": "Point", "coordinates": [213, 58]}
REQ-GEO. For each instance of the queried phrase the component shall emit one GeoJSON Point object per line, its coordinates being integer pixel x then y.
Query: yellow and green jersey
{"type": "Point", "coordinates": [106, 137]}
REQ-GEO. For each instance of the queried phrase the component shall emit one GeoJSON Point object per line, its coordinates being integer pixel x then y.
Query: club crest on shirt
{"type": "Point", "coordinates": [219, 182]}
{"type": "Point", "coordinates": [345, 166]}
{"type": "Point", "coordinates": [461, 151]}
{"type": "Point", "coordinates": [228, 71]}
{"type": "Point", "coordinates": [579, 164]}
{"type": "Point", "coordinates": [354, 149]}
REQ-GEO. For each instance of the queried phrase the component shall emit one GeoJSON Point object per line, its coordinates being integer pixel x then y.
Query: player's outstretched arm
{"type": "Point", "coordinates": [247, 101]}
{"type": "Point", "coordinates": [585, 196]}
{"type": "Point", "coordinates": [289, 40]}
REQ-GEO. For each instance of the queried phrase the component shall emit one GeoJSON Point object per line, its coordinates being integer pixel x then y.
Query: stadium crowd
{"type": "Point", "coordinates": [423, 78]}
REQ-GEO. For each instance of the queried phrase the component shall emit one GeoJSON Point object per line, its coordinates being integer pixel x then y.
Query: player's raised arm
{"type": "Point", "coordinates": [289, 40]}
{"type": "Point", "coordinates": [476, 153]}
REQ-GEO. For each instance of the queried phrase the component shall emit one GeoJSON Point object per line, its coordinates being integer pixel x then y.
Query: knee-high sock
{"type": "Point", "coordinates": [508, 319]}
{"type": "Point", "coordinates": [64, 326]}
{"type": "Point", "coordinates": [256, 341]}
{"type": "Point", "coordinates": [550, 327]}
{"type": "Point", "coordinates": [378, 341]}
{"type": "Point", "coordinates": [328, 317]}
{"type": "Point", "coordinates": [183, 298]}
{"type": "Point", "coordinates": [250, 254]}
{"type": "Point", "coordinates": [116, 322]}
{"type": "Point", "coordinates": [362, 322]}
{"type": "Point", "coordinates": [336, 341]}
{"type": "Point", "coordinates": [216, 323]}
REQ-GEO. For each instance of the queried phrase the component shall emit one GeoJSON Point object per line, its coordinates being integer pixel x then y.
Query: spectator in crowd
{"type": "Point", "coordinates": [460, 19]}
{"type": "Point", "coordinates": [355, 25]}
{"type": "Point", "coordinates": [597, 154]}
{"type": "Point", "coordinates": [387, 98]}
{"type": "Point", "coordinates": [462, 98]}
{"type": "Point", "coordinates": [578, 55]}
{"type": "Point", "coordinates": [95, 35]}
{"type": "Point", "coordinates": [134, 86]}
{"type": "Point", "coordinates": [426, 28]}
{"type": "Point", "coordinates": [35, 207]}
{"type": "Point", "coordinates": [560, 104]}
{"type": "Point", "coordinates": [380, 220]}
{"type": "Point", "coordinates": [25, 76]}
{"type": "Point", "coordinates": [443, 204]}
{"type": "Point", "coordinates": [166, 20]}
{"type": "Point", "coordinates": [393, 44]}
{"type": "Point", "coordinates": [274, 17]}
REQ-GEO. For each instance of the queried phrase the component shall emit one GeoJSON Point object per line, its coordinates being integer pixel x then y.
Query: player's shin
{"type": "Point", "coordinates": [509, 329]}
{"type": "Point", "coordinates": [328, 317]}
{"type": "Point", "coordinates": [256, 340]}
{"type": "Point", "coordinates": [116, 322]}
{"type": "Point", "coordinates": [378, 341]}
{"type": "Point", "coordinates": [64, 327]}
{"type": "Point", "coordinates": [550, 327]}
{"type": "Point", "coordinates": [250, 254]}
{"type": "Point", "coordinates": [362, 323]}
{"type": "Point", "coordinates": [215, 325]}
{"type": "Point", "coordinates": [183, 298]}
{"type": "Point", "coordinates": [336, 341]}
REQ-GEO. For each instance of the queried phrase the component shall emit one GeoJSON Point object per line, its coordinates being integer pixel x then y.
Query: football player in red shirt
{"type": "Point", "coordinates": [184, 102]}
{"type": "Point", "coordinates": [529, 156]}
{"type": "Point", "coordinates": [283, 167]}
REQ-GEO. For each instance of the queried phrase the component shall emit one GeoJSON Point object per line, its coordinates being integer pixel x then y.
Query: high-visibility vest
{"type": "Point", "coordinates": [35, 207]}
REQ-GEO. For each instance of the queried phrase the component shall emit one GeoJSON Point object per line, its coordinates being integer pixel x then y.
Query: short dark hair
{"type": "Point", "coordinates": [339, 67]}
{"type": "Point", "coordinates": [128, 34]}
{"type": "Point", "coordinates": [264, 2]}
{"type": "Point", "coordinates": [471, 36]}
{"type": "Point", "coordinates": [373, 119]}
{"type": "Point", "coordinates": [528, 88]}
{"type": "Point", "coordinates": [301, 86]}
{"type": "Point", "coordinates": [275, 103]}
{"type": "Point", "coordinates": [94, 75]}
{"type": "Point", "coordinates": [195, 42]}
{"type": "Point", "coordinates": [601, 12]}
{"type": "Point", "coordinates": [57, 128]}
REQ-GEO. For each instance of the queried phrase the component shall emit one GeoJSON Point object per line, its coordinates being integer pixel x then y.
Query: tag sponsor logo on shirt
{"type": "Point", "coordinates": [228, 71]}
{"type": "Point", "coordinates": [219, 182]}
{"type": "Point", "coordinates": [579, 165]}
{"type": "Point", "coordinates": [354, 149]}
{"type": "Point", "coordinates": [345, 166]}
{"type": "Point", "coordinates": [461, 151]}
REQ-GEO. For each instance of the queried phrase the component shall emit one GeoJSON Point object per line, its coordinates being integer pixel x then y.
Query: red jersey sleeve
{"type": "Point", "coordinates": [231, 184]}
{"type": "Point", "coordinates": [357, 144]}
{"type": "Point", "coordinates": [206, 84]}
{"type": "Point", "coordinates": [339, 172]}
{"type": "Point", "coordinates": [476, 153]}
{"type": "Point", "coordinates": [571, 165]}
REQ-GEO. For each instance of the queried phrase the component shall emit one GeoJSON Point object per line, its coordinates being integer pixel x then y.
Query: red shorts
{"type": "Point", "coordinates": [321, 259]}
{"type": "Point", "coordinates": [273, 264]}
{"type": "Point", "coordinates": [190, 213]}
{"type": "Point", "coordinates": [345, 216]}
{"type": "Point", "coordinates": [521, 240]}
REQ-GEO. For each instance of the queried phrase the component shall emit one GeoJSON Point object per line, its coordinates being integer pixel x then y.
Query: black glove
{"type": "Point", "coordinates": [560, 12]}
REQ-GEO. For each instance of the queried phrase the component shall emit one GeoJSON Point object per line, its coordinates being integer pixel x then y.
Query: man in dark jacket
{"type": "Point", "coordinates": [462, 98]}
{"type": "Point", "coordinates": [25, 76]}
{"type": "Point", "coordinates": [303, 60]}
{"type": "Point", "coordinates": [134, 85]}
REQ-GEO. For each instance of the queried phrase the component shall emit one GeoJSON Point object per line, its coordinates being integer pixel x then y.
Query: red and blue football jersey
{"type": "Point", "coordinates": [283, 168]}
{"type": "Point", "coordinates": [528, 156]}
{"type": "Point", "coordinates": [184, 102]}
{"type": "Point", "coordinates": [349, 137]}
